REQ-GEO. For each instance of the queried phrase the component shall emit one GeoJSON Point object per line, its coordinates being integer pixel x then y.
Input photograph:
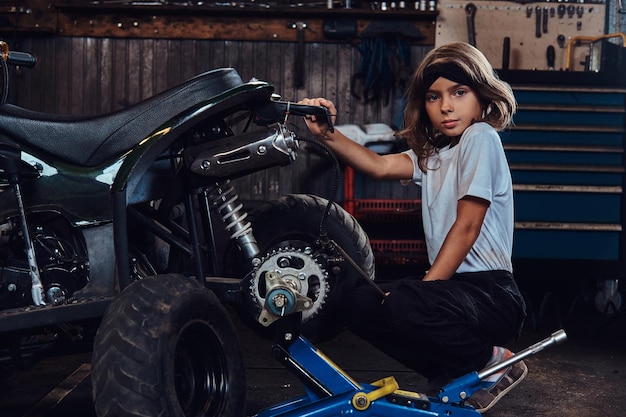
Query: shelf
{"type": "Point", "coordinates": [210, 21]}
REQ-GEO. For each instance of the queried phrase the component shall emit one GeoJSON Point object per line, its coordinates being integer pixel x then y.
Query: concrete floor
{"type": "Point", "coordinates": [579, 378]}
{"type": "Point", "coordinates": [583, 377]}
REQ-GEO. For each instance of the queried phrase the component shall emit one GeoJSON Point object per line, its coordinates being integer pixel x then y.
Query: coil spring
{"type": "Point", "coordinates": [224, 199]}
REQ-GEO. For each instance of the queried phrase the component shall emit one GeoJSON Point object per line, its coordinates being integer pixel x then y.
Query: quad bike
{"type": "Point", "coordinates": [109, 225]}
{"type": "Point", "coordinates": [127, 228]}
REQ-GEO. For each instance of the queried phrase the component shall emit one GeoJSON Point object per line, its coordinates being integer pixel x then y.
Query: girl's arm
{"type": "Point", "coordinates": [460, 239]}
{"type": "Point", "coordinates": [362, 159]}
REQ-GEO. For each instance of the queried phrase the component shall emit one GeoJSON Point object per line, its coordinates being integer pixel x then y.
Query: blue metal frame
{"type": "Point", "coordinates": [331, 392]}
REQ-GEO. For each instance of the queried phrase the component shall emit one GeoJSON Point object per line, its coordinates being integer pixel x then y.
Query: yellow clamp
{"type": "Point", "coordinates": [361, 401]}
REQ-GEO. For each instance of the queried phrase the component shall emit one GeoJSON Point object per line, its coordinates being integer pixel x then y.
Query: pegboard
{"type": "Point", "coordinates": [529, 36]}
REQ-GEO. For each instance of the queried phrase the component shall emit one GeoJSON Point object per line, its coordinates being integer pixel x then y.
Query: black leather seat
{"type": "Point", "coordinates": [93, 140]}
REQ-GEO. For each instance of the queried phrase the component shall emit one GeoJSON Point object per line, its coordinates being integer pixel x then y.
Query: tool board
{"type": "Point", "coordinates": [532, 27]}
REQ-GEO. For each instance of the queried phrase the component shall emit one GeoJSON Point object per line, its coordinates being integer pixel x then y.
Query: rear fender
{"type": "Point", "coordinates": [140, 159]}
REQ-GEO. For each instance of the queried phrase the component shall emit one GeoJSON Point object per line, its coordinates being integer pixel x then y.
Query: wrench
{"type": "Point", "coordinates": [538, 22]}
{"type": "Point", "coordinates": [470, 12]}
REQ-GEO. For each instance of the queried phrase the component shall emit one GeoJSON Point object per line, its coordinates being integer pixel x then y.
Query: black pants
{"type": "Point", "coordinates": [441, 329]}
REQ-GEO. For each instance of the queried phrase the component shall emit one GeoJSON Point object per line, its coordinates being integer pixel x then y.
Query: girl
{"type": "Point", "coordinates": [454, 319]}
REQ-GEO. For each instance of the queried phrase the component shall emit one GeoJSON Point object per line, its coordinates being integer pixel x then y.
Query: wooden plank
{"type": "Point", "coordinates": [345, 67]}
{"type": "Point", "coordinates": [316, 75]}
{"type": "Point", "coordinates": [119, 81]}
{"type": "Point", "coordinates": [147, 67]}
{"type": "Point", "coordinates": [62, 75]}
{"type": "Point", "coordinates": [161, 57]}
{"type": "Point", "coordinates": [90, 71]}
{"type": "Point", "coordinates": [130, 63]}
{"type": "Point", "coordinates": [106, 74]}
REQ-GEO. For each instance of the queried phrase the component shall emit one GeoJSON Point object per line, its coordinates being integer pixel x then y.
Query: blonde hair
{"type": "Point", "coordinates": [495, 96]}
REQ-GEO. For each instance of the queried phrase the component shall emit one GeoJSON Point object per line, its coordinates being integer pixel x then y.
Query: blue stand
{"type": "Point", "coordinates": [332, 392]}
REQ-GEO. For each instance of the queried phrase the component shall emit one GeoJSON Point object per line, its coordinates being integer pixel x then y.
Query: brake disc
{"type": "Point", "coordinates": [299, 270]}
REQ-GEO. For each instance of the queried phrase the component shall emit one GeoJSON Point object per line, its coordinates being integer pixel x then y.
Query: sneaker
{"type": "Point", "coordinates": [498, 355]}
{"type": "Point", "coordinates": [485, 398]}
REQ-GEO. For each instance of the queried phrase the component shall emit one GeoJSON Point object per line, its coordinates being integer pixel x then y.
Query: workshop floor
{"type": "Point", "coordinates": [583, 377]}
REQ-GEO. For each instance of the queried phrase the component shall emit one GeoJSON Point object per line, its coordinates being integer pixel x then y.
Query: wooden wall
{"type": "Point", "coordinates": [85, 75]}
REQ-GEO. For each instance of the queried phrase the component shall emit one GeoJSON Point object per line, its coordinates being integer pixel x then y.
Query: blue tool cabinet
{"type": "Point", "coordinates": [566, 154]}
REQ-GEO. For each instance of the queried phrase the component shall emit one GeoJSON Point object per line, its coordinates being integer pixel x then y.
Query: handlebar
{"type": "Point", "coordinates": [277, 110]}
{"type": "Point", "coordinates": [21, 59]}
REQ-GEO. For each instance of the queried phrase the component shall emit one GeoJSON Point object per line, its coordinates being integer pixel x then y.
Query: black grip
{"type": "Point", "coordinates": [21, 59]}
{"type": "Point", "coordinates": [275, 111]}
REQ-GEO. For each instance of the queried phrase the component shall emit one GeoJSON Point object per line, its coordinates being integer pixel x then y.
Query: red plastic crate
{"type": "Point", "coordinates": [399, 251]}
{"type": "Point", "coordinates": [388, 210]}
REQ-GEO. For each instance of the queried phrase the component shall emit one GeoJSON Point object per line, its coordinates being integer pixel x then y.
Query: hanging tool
{"type": "Point", "coordinates": [506, 53]}
{"type": "Point", "coordinates": [470, 12]}
{"type": "Point", "coordinates": [298, 68]}
{"type": "Point", "coordinates": [550, 57]}
{"type": "Point", "coordinates": [385, 60]}
{"type": "Point", "coordinates": [538, 22]}
{"type": "Point", "coordinates": [544, 24]}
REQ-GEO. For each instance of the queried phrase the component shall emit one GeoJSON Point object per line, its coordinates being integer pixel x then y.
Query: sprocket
{"type": "Point", "coordinates": [300, 270]}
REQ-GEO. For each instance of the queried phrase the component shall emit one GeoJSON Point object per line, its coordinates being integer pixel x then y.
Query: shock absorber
{"type": "Point", "coordinates": [224, 198]}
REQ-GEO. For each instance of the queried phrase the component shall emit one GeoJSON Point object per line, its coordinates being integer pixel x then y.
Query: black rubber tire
{"type": "Point", "coordinates": [294, 220]}
{"type": "Point", "coordinates": [167, 347]}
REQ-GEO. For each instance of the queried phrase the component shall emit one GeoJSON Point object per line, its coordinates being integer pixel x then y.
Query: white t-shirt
{"type": "Point", "coordinates": [477, 167]}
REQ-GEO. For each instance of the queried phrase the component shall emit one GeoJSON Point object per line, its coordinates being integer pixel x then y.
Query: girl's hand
{"type": "Point", "coordinates": [319, 127]}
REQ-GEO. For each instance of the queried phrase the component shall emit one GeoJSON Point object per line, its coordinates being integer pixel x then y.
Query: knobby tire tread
{"type": "Point", "coordinates": [128, 358]}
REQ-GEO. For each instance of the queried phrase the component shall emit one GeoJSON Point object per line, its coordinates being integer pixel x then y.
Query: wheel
{"type": "Point", "coordinates": [167, 347]}
{"type": "Point", "coordinates": [291, 224]}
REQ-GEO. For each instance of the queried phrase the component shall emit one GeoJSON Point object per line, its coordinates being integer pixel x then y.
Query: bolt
{"type": "Point", "coordinates": [445, 399]}
{"type": "Point", "coordinates": [302, 276]}
{"type": "Point", "coordinates": [288, 337]}
{"type": "Point", "coordinates": [262, 150]}
{"type": "Point", "coordinates": [463, 395]}
{"type": "Point", "coordinates": [206, 164]}
{"type": "Point", "coordinates": [11, 287]}
{"type": "Point", "coordinates": [279, 300]}
{"type": "Point", "coordinates": [361, 401]}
